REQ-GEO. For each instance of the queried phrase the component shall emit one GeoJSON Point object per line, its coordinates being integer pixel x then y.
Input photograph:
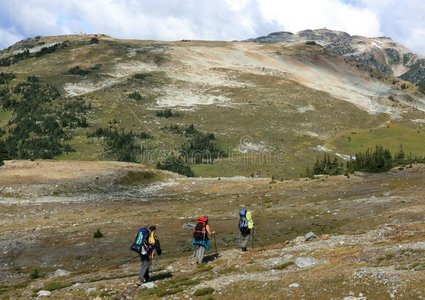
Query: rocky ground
{"type": "Point", "coordinates": [370, 234]}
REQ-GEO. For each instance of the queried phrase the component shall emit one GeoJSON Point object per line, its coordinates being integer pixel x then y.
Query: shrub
{"type": "Point", "coordinates": [201, 148]}
{"type": "Point", "coordinates": [135, 95]}
{"type": "Point", "coordinates": [98, 234]}
{"type": "Point", "coordinates": [121, 144]}
{"type": "Point", "coordinates": [187, 131]}
{"type": "Point", "coordinates": [175, 164]}
{"type": "Point", "coordinates": [94, 40]}
{"type": "Point", "coordinates": [166, 113]}
{"type": "Point", "coordinates": [77, 70]}
{"type": "Point", "coordinates": [327, 166]}
{"type": "Point", "coordinates": [34, 274]}
{"type": "Point", "coordinates": [140, 76]}
{"type": "Point", "coordinates": [51, 49]}
{"type": "Point", "coordinates": [422, 87]}
{"type": "Point", "coordinates": [5, 78]}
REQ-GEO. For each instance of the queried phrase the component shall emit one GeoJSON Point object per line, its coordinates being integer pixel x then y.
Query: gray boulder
{"type": "Point", "coordinates": [310, 236]}
{"type": "Point", "coordinates": [60, 272]}
{"type": "Point", "coordinates": [43, 293]}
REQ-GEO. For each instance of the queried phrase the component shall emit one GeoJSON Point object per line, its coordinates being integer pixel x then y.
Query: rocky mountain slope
{"type": "Point", "coordinates": [380, 53]}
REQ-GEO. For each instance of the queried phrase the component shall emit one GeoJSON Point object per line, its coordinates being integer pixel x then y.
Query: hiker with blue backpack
{"type": "Point", "coordinates": [146, 245]}
{"type": "Point", "coordinates": [246, 226]}
{"type": "Point", "coordinates": [201, 241]}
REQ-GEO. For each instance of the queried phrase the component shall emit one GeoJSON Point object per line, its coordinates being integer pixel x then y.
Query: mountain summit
{"type": "Point", "coordinates": [380, 53]}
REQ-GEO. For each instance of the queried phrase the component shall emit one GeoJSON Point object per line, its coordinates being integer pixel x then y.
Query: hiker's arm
{"type": "Point", "coordinates": [208, 229]}
{"type": "Point", "coordinates": [158, 246]}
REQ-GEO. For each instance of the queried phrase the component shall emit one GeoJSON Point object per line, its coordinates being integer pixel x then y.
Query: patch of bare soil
{"type": "Point", "coordinates": [370, 236]}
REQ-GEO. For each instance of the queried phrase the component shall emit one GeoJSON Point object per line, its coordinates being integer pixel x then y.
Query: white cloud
{"type": "Point", "coordinates": [8, 37]}
{"type": "Point", "coordinates": [298, 15]}
{"type": "Point", "coordinates": [401, 20]}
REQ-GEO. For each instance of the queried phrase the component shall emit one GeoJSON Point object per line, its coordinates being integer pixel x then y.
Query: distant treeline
{"type": "Point", "coordinates": [375, 160]}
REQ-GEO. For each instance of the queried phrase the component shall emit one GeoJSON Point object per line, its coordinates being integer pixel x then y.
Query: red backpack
{"type": "Point", "coordinates": [200, 232]}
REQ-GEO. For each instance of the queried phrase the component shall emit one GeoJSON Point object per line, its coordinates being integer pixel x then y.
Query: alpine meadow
{"type": "Point", "coordinates": [319, 134]}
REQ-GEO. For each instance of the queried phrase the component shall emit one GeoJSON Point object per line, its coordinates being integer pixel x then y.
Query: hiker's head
{"type": "Point", "coordinates": [152, 228]}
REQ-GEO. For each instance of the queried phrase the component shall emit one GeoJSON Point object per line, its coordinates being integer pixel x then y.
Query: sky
{"type": "Point", "coordinates": [403, 21]}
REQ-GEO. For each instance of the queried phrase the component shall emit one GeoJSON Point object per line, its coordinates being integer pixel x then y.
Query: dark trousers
{"type": "Point", "coordinates": [144, 270]}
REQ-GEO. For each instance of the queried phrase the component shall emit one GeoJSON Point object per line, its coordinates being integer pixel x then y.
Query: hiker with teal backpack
{"type": "Point", "coordinates": [201, 241]}
{"type": "Point", "coordinates": [246, 226]}
{"type": "Point", "coordinates": [146, 245]}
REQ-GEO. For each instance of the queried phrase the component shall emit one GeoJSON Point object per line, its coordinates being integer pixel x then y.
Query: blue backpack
{"type": "Point", "coordinates": [141, 244]}
{"type": "Point", "coordinates": [243, 222]}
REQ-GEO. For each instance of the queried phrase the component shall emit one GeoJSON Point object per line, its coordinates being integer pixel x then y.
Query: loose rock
{"type": "Point", "coordinates": [43, 293]}
{"type": "Point", "coordinates": [309, 236]}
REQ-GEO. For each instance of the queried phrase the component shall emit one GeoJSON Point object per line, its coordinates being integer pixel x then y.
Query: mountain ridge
{"type": "Point", "coordinates": [382, 53]}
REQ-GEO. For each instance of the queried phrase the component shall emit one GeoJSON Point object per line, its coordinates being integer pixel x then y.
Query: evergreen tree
{"type": "Point", "coordinates": [3, 153]}
{"type": "Point", "coordinates": [175, 164]}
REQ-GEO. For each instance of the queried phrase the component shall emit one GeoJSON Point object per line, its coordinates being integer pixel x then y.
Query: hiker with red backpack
{"type": "Point", "coordinates": [201, 241]}
{"type": "Point", "coordinates": [146, 245]}
{"type": "Point", "coordinates": [246, 225]}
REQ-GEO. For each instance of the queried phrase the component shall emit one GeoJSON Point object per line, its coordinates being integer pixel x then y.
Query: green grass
{"type": "Point", "coordinates": [284, 265]}
{"type": "Point", "coordinates": [85, 148]}
{"type": "Point", "coordinates": [390, 137]}
{"type": "Point", "coordinates": [55, 285]}
{"type": "Point", "coordinates": [204, 291]}
{"type": "Point", "coordinates": [169, 287]}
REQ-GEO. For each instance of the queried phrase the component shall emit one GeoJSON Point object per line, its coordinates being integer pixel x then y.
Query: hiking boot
{"type": "Point", "coordinates": [244, 249]}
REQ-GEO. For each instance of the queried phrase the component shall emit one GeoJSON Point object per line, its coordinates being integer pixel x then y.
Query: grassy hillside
{"type": "Point", "coordinates": [269, 106]}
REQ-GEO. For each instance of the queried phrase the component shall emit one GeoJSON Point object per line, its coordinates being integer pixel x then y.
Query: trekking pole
{"type": "Point", "coordinates": [253, 237]}
{"type": "Point", "coordinates": [215, 246]}
{"type": "Point", "coordinates": [126, 261]}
